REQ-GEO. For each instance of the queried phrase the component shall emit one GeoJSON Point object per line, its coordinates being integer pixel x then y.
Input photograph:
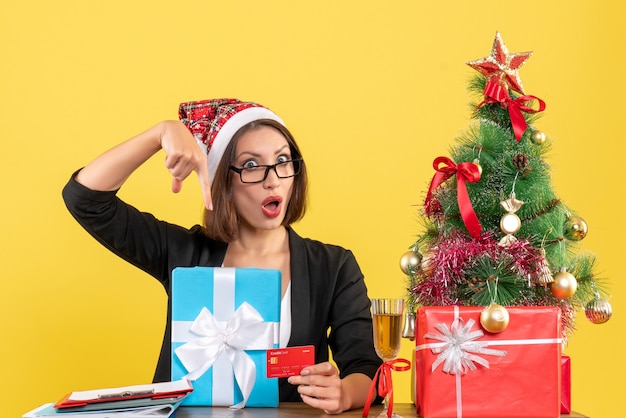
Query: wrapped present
{"type": "Point", "coordinates": [223, 322]}
{"type": "Point", "coordinates": [566, 384]}
{"type": "Point", "coordinates": [462, 371]}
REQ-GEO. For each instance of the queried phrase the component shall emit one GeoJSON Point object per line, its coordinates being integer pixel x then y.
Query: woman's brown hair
{"type": "Point", "coordinates": [222, 223]}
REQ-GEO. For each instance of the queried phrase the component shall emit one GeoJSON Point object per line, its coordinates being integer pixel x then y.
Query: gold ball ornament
{"type": "Point", "coordinates": [510, 223]}
{"type": "Point", "coordinates": [598, 311]}
{"type": "Point", "coordinates": [427, 266]}
{"type": "Point", "coordinates": [575, 228]}
{"type": "Point", "coordinates": [494, 318]}
{"type": "Point", "coordinates": [476, 162]}
{"type": "Point", "coordinates": [410, 262]}
{"type": "Point", "coordinates": [564, 285]}
{"type": "Point", "coordinates": [538, 137]}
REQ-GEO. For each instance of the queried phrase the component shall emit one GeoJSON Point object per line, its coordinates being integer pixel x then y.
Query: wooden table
{"type": "Point", "coordinates": [296, 410]}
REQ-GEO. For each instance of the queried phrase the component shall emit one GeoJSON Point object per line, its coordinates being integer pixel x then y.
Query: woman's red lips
{"type": "Point", "coordinates": [271, 206]}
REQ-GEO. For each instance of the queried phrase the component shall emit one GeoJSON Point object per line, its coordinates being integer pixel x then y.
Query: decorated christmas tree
{"type": "Point", "coordinates": [495, 233]}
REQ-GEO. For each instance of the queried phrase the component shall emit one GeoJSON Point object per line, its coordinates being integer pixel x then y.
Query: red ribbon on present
{"type": "Point", "coordinates": [385, 384]}
{"type": "Point", "coordinates": [465, 172]}
{"type": "Point", "coordinates": [497, 93]}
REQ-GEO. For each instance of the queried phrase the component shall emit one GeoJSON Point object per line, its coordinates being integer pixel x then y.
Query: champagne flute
{"type": "Point", "coordinates": [387, 324]}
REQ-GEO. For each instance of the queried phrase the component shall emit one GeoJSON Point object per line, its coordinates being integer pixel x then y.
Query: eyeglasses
{"type": "Point", "coordinates": [257, 174]}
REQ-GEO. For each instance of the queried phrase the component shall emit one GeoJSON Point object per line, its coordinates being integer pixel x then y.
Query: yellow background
{"type": "Point", "coordinates": [373, 91]}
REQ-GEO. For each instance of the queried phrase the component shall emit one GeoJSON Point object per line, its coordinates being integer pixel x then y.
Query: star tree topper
{"type": "Point", "coordinates": [501, 67]}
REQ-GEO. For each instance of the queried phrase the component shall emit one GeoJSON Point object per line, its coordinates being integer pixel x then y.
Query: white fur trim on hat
{"type": "Point", "coordinates": [232, 125]}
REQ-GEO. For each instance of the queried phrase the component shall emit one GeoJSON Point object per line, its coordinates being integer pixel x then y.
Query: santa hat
{"type": "Point", "coordinates": [214, 122]}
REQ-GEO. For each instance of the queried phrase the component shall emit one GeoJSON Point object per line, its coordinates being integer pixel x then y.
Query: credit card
{"type": "Point", "coordinates": [289, 361]}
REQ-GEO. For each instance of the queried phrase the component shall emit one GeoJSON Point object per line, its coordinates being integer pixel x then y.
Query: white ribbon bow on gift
{"type": "Point", "coordinates": [456, 351]}
{"type": "Point", "coordinates": [245, 330]}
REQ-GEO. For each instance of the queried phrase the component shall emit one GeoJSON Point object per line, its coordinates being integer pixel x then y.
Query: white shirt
{"type": "Point", "coordinates": [285, 318]}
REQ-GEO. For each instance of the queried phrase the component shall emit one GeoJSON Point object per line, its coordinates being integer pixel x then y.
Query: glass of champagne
{"type": "Point", "coordinates": [387, 323]}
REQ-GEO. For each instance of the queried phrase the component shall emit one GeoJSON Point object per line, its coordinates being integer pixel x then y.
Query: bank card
{"type": "Point", "coordinates": [289, 361]}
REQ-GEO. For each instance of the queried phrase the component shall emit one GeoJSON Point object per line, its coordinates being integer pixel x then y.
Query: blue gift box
{"type": "Point", "coordinates": [223, 321]}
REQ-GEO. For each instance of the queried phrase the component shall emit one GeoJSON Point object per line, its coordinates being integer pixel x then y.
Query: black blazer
{"type": "Point", "coordinates": [330, 308]}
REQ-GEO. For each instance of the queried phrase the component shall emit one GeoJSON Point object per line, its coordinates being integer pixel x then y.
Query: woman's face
{"type": "Point", "coordinates": [261, 206]}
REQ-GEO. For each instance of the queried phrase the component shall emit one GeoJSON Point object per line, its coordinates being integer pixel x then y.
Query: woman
{"type": "Point", "coordinates": [254, 183]}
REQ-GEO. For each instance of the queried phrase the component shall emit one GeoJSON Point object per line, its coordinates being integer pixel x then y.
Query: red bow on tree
{"type": "Point", "coordinates": [498, 93]}
{"type": "Point", "coordinates": [465, 172]}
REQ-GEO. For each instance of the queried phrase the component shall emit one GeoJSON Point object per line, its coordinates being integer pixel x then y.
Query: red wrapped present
{"type": "Point", "coordinates": [566, 385]}
{"type": "Point", "coordinates": [462, 371]}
